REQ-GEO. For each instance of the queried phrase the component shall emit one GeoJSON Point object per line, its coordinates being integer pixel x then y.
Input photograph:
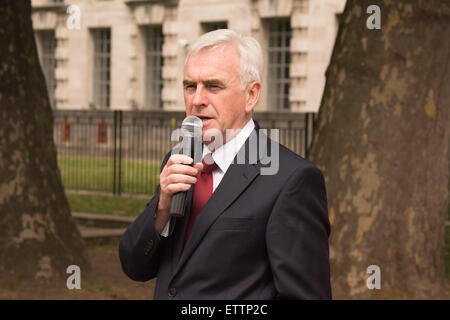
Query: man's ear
{"type": "Point", "coordinates": [252, 95]}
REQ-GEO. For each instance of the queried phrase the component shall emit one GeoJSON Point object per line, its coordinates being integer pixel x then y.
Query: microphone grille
{"type": "Point", "coordinates": [192, 123]}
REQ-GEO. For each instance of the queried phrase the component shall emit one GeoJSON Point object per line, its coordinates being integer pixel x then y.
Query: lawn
{"type": "Point", "coordinates": [97, 174]}
{"type": "Point", "coordinates": [113, 205]}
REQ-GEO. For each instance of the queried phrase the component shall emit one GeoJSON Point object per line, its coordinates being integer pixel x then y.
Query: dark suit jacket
{"type": "Point", "coordinates": [258, 237]}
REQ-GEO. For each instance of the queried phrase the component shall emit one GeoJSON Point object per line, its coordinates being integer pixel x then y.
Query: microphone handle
{"type": "Point", "coordinates": [178, 203]}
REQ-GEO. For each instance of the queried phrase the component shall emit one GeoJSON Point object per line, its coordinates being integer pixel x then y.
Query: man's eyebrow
{"type": "Point", "coordinates": [188, 82]}
{"type": "Point", "coordinates": [215, 82]}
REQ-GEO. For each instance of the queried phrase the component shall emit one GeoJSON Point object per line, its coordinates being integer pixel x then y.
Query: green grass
{"type": "Point", "coordinates": [118, 206]}
{"type": "Point", "coordinates": [97, 174]}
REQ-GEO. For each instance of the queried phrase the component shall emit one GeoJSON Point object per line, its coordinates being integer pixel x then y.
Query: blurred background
{"type": "Point", "coordinates": [113, 71]}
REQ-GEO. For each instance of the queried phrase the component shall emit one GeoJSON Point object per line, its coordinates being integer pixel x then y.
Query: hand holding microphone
{"type": "Point", "coordinates": [177, 176]}
{"type": "Point", "coordinates": [180, 173]}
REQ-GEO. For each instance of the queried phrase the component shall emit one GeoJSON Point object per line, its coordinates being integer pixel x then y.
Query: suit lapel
{"type": "Point", "coordinates": [181, 230]}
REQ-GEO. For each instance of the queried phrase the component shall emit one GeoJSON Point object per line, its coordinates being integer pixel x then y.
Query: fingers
{"type": "Point", "coordinates": [182, 169]}
{"type": "Point", "coordinates": [177, 187]}
{"type": "Point", "coordinates": [181, 178]}
{"type": "Point", "coordinates": [198, 166]}
{"type": "Point", "coordinates": [179, 158]}
{"type": "Point", "coordinates": [178, 174]}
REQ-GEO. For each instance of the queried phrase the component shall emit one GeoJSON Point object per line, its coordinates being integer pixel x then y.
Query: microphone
{"type": "Point", "coordinates": [191, 145]}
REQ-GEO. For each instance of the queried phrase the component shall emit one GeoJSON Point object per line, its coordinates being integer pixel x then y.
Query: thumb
{"type": "Point", "coordinates": [198, 166]}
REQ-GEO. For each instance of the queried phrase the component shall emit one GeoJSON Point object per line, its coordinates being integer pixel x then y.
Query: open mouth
{"type": "Point", "coordinates": [205, 118]}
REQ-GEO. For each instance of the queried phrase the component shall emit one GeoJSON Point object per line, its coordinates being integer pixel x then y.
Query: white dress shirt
{"type": "Point", "coordinates": [223, 157]}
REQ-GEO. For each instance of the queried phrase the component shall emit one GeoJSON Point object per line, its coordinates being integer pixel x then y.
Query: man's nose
{"type": "Point", "coordinates": [200, 97]}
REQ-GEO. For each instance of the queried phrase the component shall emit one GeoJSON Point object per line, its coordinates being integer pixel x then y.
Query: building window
{"type": "Point", "coordinates": [211, 26]}
{"type": "Point", "coordinates": [102, 67]}
{"type": "Point", "coordinates": [279, 57]}
{"type": "Point", "coordinates": [154, 40]}
{"type": "Point", "coordinates": [48, 62]}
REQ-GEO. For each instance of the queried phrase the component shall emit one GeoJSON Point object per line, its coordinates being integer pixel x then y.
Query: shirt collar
{"type": "Point", "coordinates": [225, 154]}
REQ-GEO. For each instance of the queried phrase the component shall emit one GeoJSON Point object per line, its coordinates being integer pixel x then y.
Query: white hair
{"type": "Point", "coordinates": [250, 52]}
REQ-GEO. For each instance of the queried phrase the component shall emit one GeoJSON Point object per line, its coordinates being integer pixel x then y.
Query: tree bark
{"type": "Point", "coordinates": [38, 237]}
{"type": "Point", "coordinates": [382, 138]}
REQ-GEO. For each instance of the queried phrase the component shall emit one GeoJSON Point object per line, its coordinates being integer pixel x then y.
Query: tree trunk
{"type": "Point", "coordinates": [382, 139]}
{"type": "Point", "coordinates": [38, 237]}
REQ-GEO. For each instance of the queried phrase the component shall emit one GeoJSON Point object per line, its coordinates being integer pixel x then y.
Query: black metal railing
{"type": "Point", "coordinates": [121, 151]}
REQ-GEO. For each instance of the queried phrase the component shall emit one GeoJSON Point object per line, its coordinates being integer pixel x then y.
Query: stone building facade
{"type": "Point", "coordinates": [129, 54]}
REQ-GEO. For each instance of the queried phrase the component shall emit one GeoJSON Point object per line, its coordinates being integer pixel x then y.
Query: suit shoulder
{"type": "Point", "coordinates": [291, 161]}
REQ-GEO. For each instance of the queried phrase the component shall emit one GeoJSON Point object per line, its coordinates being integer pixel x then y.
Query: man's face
{"type": "Point", "coordinates": [212, 90]}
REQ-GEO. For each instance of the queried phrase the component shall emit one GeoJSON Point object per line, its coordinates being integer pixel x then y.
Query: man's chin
{"type": "Point", "coordinates": [212, 137]}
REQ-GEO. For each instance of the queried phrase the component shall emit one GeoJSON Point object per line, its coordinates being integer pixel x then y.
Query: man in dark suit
{"type": "Point", "coordinates": [255, 227]}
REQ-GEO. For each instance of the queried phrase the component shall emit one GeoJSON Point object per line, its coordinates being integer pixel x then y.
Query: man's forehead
{"type": "Point", "coordinates": [209, 72]}
{"type": "Point", "coordinates": [221, 58]}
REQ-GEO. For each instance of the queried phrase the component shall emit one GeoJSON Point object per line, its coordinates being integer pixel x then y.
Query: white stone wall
{"type": "Point", "coordinates": [313, 25]}
{"type": "Point", "coordinates": [191, 13]}
{"type": "Point", "coordinates": [322, 31]}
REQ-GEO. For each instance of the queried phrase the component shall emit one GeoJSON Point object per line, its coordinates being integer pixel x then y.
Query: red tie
{"type": "Point", "coordinates": [202, 192]}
